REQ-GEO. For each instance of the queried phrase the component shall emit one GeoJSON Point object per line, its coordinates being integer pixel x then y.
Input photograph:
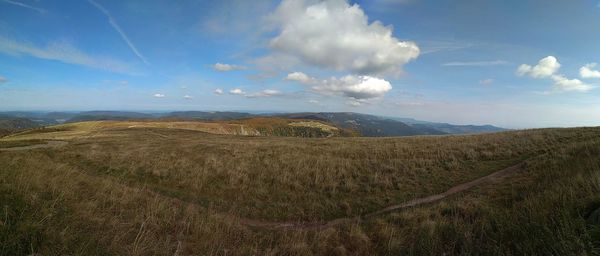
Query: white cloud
{"type": "Point", "coordinates": [264, 93]}
{"type": "Point", "coordinates": [588, 71]}
{"type": "Point", "coordinates": [546, 67]}
{"type": "Point", "coordinates": [476, 63]}
{"type": "Point", "coordinates": [334, 34]}
{"type": "Point", "coordinates": [409, 104]}
{"type": "Point", "coordinates": [562, 83]}
{"type": "Point", "coordinates": [64, 52]}
{"type": "Point", "coordinates": [316, 102]}
{"type": "Point", "coordinates": [158, 95]}
{"type": "Point", "coordinates": [2, 80]}
{"type": "Point", "coordinates": [488, 81]}
{"type": "Point", "coordinates": [237, 91]}
{"type": "Point", "coordinates": [40, 10]}
{"type": "Point", "coordinates": [354, 103]}
{"type": "Point", "coordinates": [227, 67]}
{"type": "Point", "coordinates": [218, 91]}
{"type": "Point", "coordinates": [187, 97]}
{"type": "Point", "coordinates": [394, 1]}
{"type": "Point", "coordinates": [117, 28]}
{"type": "Point", "coordinates": [299, 77]}
{"type": "Point", "coordinates": [260, 94]}
{"type": "Point", "coordinates": [435, 46]}
{"type": "Point", "coordinates": [355, 87]}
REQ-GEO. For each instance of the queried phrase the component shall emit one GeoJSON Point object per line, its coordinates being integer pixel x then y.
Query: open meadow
{"type": "Point", "coordinates": [157, 190]}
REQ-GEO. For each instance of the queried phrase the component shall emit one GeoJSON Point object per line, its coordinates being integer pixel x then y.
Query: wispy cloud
{"type": "Point", "coordinates": [429, 47]}
{"type": "Point", "coordinates": [40, 10]}
{"type": "Point", "coordinates": [488, 81]}
{"type": "Point", "coordinates": [264, 93]}
{"type": "Point", "coordinates": [260, 94]}
{"type": "Point", "coordinates": [2, 80]}
{"type": "Point", "coordinates": [477, 63]}
{"type": "Point", "coordinates": [116, 26]}
{"type": "Point", "coordinates": [64, 52]}
{"type": "Point", "coordinates": [237, 91]}
{"type": "Point", "coordinates": [158, 95]}
{"type": "Point", "coordinates": [227, 67]}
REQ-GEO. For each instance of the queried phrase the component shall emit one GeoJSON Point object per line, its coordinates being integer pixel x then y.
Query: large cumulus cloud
{"type": "Point", "coordinates": [335, 35]}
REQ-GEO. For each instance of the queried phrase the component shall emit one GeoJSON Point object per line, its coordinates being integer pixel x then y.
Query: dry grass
{"type": "Point", "coordinates": [252, 127]}
{"type": "Point", "coordinates": [144, 191]}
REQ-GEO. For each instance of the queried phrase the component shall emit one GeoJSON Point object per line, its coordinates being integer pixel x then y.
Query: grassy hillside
{"type": "Point", "coordinates": [248, 127]}
{"type": "Point", "coordinates": [164, 191]}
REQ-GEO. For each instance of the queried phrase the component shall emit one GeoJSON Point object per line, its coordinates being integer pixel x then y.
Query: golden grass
{"type": "Point", "coordinates": [252, 127]}
{"type": "Point", "coordinates": [315, 124]}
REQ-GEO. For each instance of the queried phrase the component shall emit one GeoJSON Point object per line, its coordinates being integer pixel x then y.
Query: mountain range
{"type": "Point", "coordinates": [364, 124]}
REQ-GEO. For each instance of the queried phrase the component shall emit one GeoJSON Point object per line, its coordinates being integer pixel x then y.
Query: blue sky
{"type": "Point", "coordinates": [516, 64]}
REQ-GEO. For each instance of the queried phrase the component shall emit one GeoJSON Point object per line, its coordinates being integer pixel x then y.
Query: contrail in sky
{"type": "Point", "coordinates": [40, 10]}
{"type": "Point", "coordinates": [116, 26]}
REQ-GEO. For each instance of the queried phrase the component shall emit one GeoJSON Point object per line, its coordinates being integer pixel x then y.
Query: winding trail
{"type": "Point", "coordinates": [274, 225]}
{"type": "Point", "coordinates": [491, 178]}
{"type": "Point", "coordinates": [49, 144]}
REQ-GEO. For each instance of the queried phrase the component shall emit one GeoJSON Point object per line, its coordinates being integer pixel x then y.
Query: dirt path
{"type": "Point", "coordinates": [49, 144]}
{"type": "Point", "coordinates": [494, 177]}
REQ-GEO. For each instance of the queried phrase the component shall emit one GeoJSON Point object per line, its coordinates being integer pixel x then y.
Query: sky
{"type": "Point", "coordinates": [510, 63]}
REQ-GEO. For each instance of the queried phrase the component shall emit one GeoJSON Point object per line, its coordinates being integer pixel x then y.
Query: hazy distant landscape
{"type": "Point", "coordinates": [362, 124]}
{"type": "Point", "coordinates": [299, 127]}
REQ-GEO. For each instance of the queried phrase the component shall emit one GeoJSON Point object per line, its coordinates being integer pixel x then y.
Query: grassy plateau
{"type": "Point", "coordinates": [185, 188]}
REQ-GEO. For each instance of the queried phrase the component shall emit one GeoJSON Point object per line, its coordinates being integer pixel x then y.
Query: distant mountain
{"type": "Point", "coordinates": [108, 115]}
{"type": "Point", "coordinates": [451, 128]}
{"type": "Point", "coordinates": [41, 118]}
{"type": "Point", "coordinates": [367, 125]}
{"type": "Point", "coordinates": [216, 115]}
{"type": "Point", "coordinates": [10, 124]}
